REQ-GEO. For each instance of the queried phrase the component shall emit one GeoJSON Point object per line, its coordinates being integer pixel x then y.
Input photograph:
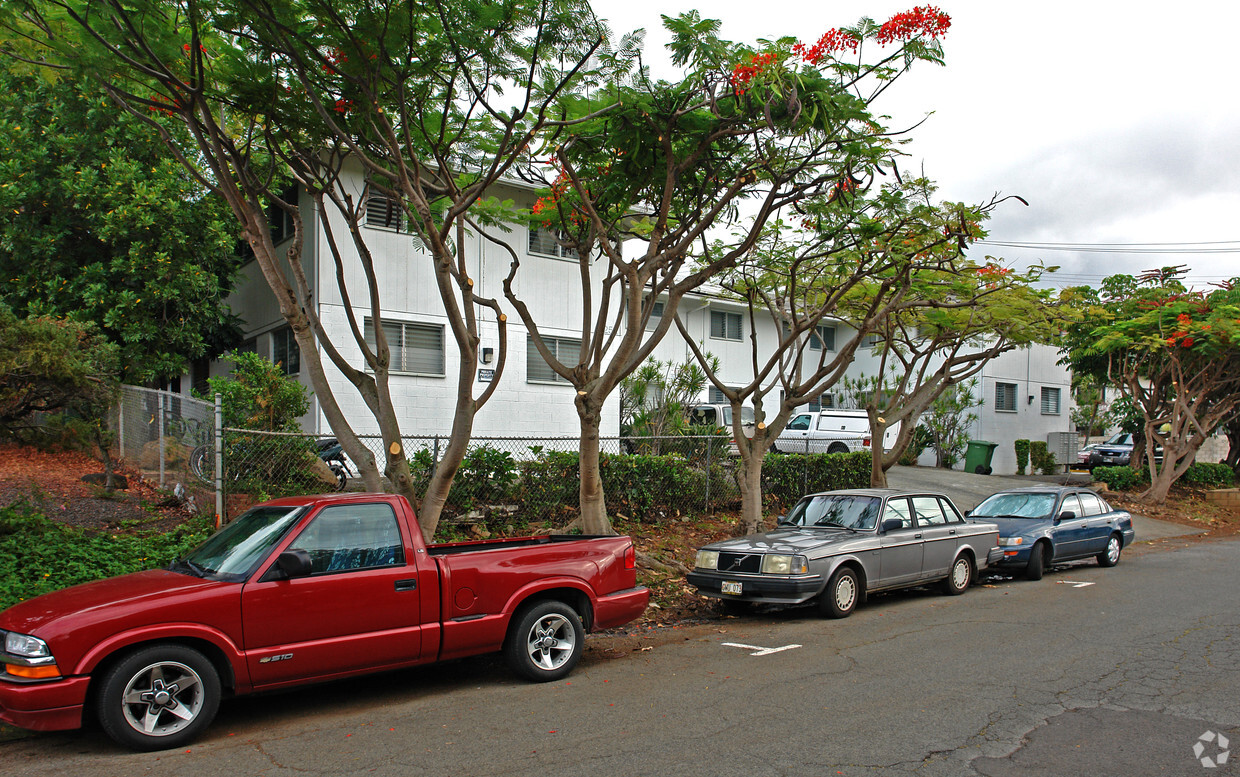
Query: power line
{"type": "Point", "coordinates": [1203, 247]}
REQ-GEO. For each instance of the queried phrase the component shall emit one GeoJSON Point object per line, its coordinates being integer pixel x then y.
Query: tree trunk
{"type": "Point", "coordinates": [751, 482]}
{"type": "Point", "coordinates": [878, 429]}
{"type": "Point", "coordinates": [593, 503]}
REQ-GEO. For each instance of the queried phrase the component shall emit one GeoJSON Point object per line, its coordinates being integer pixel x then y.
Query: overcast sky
{"type": "Point", "coordinates": [1118, 122]}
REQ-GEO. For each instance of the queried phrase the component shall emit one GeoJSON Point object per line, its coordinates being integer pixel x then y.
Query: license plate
{"type": "Point", "coordinates": [728, 587]}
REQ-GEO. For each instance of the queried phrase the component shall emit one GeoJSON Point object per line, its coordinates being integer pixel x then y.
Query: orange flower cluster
{"type": "Point", "coordinates": [1182, 338]}
{"type": "Point", "coordinates": [832, 41]}
{"type": "Point", "coordinates": [343, 105]}
{"type": "Point", "coordinates": [922, 20]}
{"type": "Point", "coordinates": [743, 74]}
{"type": "Point", "coordinates": [174, 103]}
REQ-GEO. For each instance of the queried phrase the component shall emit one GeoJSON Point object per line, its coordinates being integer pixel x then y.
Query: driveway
{"type": "Point", "coordinates": [967, 489]}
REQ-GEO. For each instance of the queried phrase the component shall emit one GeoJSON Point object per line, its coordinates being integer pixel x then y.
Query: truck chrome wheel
{"type": "Point", "coordinates": [545, 641]}
{"type": "Point", "coordinates": [551, 642]}
{"type": "Point", "coordinates": [159, 697]}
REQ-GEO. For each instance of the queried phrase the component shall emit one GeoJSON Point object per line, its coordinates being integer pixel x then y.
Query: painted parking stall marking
{"type": "Point", "coordinates": [1073, 583]}
{"type": "Point", "coordinates": [760, 651]}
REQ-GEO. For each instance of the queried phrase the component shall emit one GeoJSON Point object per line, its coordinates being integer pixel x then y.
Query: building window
{"type": "Point", "coordinates": [284, 351]}
{"type": "Point", "coordinates": [1050, 401]}
{"type": "Point", "coordinates": [383, 212]}
{"type": "Point", "coordinates": [279, 220]}
{"type": "Point", "coordinates": [416, 349]}
{"type": "Point", "coordinates": [715, 397]}
{"type": "Point", "coordinates": [566, 350]}
{"type": "Point", "coordinates": [544, 242]}
{"type": "Point", "coordinates": [725, 326]}
{"type": "Point", "coordinates": [656, 315]}
{"type": "Point", "coordinates": [821, 335]}
{"type": "Point", "coordinates": [872, 340]}
{"type": "Point", "coordinates": [1005, 397]}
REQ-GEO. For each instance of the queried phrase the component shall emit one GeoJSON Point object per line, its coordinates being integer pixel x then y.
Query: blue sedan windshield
{"type": "Point", "coordinates": [1016, 506]}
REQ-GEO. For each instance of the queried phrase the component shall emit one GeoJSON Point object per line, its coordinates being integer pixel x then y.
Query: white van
{"type": "Point", "coordinates": [829, 431]}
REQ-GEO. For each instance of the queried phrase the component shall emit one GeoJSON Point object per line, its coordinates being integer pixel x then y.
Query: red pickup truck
{"type": "Point", "coordinates": [295, 591]}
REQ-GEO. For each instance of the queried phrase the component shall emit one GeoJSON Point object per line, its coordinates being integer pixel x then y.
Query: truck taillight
{"type": "Point", "coordinates": [630, 557]}
{"type": "Point", "coordinates": [865, 443]}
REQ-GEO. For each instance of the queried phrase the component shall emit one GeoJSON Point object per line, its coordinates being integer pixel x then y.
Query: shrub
{"type": "Point", "coordinates": [1209, 475]}
{"type": "Point", "coordinates": [41, 555]}
{"type": "Point", "coordinates": [1022, 456]}
{"type": "Point", "coordinates": [1122, 478]}
{"type": "Point", "coordinates": [1042, 459]}
{"type": "Point", "coordinates": [788, 477]}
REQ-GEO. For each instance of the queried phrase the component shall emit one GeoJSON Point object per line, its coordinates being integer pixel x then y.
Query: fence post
{"type": "Point", "coordinates": [709, 441]}
{"type": "Point", "coordinates": [805, 469]}
{"type": "Point", "coordinates": [219, 459]}
{"type": "Point", "coordinates": [160, 430]}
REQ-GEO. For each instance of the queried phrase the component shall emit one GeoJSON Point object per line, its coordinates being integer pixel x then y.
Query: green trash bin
{"type": "Point", "coordinates": [977, 457]}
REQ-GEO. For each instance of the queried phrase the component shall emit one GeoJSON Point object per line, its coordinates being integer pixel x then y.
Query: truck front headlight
{"type": "Point", "coordinates": [781, 564]}
{"type": "Point", "coordinates": [25, 646]}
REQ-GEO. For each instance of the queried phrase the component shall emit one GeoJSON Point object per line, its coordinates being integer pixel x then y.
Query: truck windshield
{"type": "Point", "coordinates": [847, 512]}
{"type": "Point", "coordinates": [233, 551]}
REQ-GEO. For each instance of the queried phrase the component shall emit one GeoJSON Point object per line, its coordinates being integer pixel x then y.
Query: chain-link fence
{"type": "Point", "coordinates": [511, 482]}
{"type": "Point", "coordinates": [165, 435]}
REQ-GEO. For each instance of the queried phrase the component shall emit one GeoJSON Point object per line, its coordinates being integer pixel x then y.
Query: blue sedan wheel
{"type": "Point", "coordinates": [1037, 562]}
{"type": "Point", "coordinates": [1110, 556]}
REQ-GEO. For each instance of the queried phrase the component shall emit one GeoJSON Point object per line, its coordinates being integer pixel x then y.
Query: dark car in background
{"type": "Point", "coordinates": [1115, 452]}
{"type": "Point", "coordinates": [1041, 525]}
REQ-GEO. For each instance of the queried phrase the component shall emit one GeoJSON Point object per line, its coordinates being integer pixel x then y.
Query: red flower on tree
{"type": "Point", "coordinates": [922, 20]}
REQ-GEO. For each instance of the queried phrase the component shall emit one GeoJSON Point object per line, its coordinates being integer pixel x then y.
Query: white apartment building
{"type": "Point", "coordinates": [532, 401]}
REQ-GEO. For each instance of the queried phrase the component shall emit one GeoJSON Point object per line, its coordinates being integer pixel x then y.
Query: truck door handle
{"type": "Point", "coordinates": [407, 585]}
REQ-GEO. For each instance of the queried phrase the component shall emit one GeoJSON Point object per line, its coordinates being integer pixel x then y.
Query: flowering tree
{"type": "Point", "coordinates": [961, 315]}
{"type": "Point", "coordinates": [1175, 352]}
{"type": "Point", "coordinates": [744, 134]}
{"type": "Point", "coordinates": [430, 103]}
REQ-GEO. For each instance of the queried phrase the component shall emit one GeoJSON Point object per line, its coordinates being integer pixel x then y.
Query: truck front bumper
{"type": "Point", "coordinates": [55, 705]}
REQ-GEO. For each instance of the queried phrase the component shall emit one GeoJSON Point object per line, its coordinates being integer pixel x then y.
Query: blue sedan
{"type": "Point", "coordinates": [1041, 525]}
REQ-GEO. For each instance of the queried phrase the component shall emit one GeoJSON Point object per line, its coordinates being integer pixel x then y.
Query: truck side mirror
{"type": "Point", "coordinates": [294, 563]}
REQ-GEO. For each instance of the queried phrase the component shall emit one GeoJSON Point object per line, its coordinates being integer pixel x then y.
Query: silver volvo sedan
{"type": "Point", "coordinates": [838, 546]}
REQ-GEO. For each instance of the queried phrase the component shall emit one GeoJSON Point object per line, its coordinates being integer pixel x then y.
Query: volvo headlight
{"type": "Point", "coordinates": [25, 646]}
{"type": "Point", "coordinates": [1011, 540]}
{"type": "Point", "coordinates": [780, 564]}
{"type": "Point", "coordinates": [707, 559]}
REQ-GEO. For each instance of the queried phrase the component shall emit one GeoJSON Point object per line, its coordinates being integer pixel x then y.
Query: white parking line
{"type": "Point", "coordinates": [1073, 583]}
{"type": "Point", "coordinates": [760, 651]}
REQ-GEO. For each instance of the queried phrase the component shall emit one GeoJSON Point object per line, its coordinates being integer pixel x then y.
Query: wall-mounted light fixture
{"type": "Point", "coordinates": [1031, 399]}
{"type": "Point", "coordinates": [489, 353]}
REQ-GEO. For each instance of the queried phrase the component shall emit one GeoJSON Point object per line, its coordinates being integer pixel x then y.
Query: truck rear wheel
{"type": "Point", "coordinates": [545, 642]}
{"type": "Point", "coordinates": [158, 698]}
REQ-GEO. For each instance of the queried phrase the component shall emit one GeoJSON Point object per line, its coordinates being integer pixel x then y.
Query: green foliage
{"type": "Point", "coordinates": [1122, 478]}
{"type": "Point", "coordinates": [921, 440]}
{"type": "Point", "coordinates": [99, 222]}
{"type": "Point", "coordinates": [788, 477]}
{"type": "Point", "coordinates": [49, 364]}
{"type": "Point", "coordinates": [259, 396]}
{"type": "Point", "coordinates": [1042, 459]}
{"type": "Point", "coordinates": [949, 420]}
{"type": "Point", "coordinates": [1022, 455]}
{"type": "Point", "coordinates": [550, 484]}
{"type": "Point", "coordinates": [40, 555]}
{"type": "Point", "coordinates": [1206, 475]}
{"type": "Point", "coordinates": [655, 400]}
